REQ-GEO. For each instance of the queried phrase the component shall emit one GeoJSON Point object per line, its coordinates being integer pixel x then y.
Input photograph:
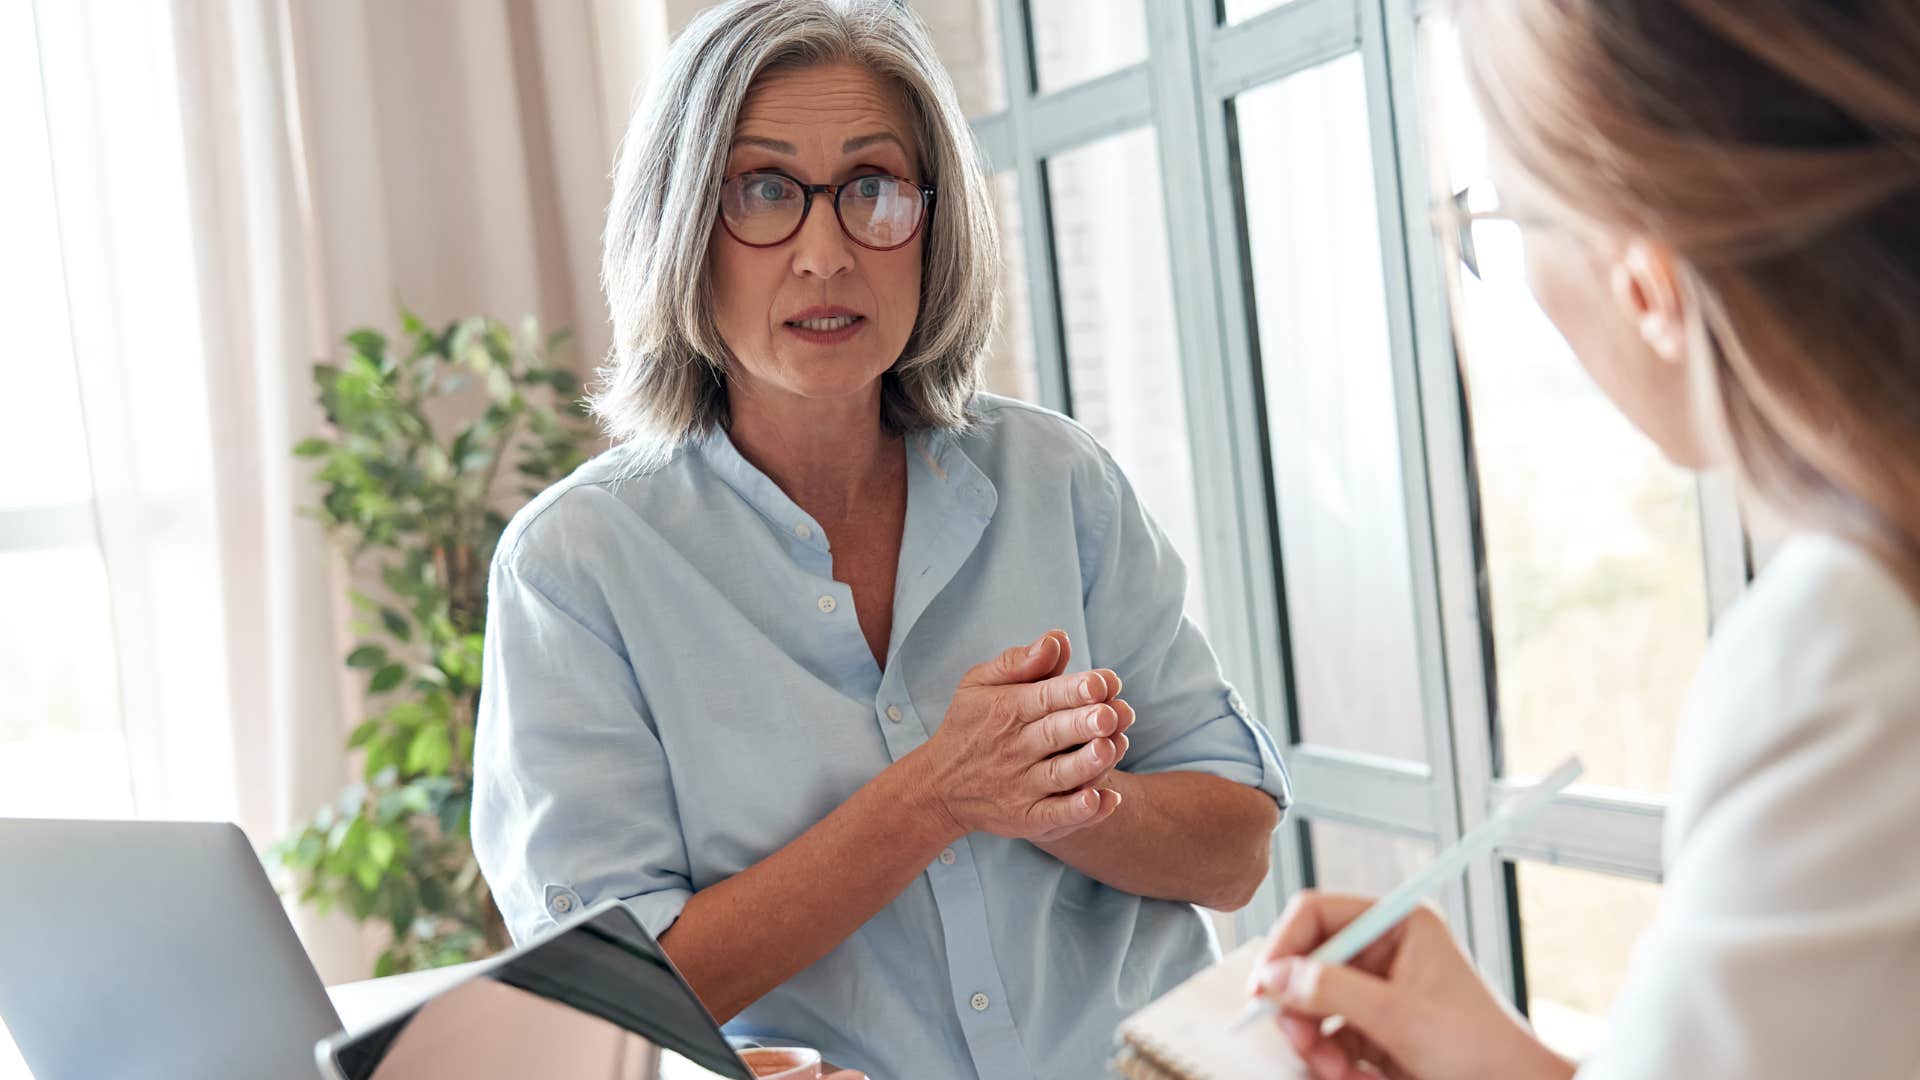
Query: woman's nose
{"type": "Point", "coordinates": [822, 249]}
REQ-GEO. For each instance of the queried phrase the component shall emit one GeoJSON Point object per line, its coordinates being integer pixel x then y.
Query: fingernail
{"type": "Point", "coordinates": [1039, 648]}
{"type": "Point", "coordinates": [1090, 688]}
{"type": "Point", "coordinates": [1270, 980]}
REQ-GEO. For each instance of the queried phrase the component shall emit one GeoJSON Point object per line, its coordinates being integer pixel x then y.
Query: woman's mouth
{"type": "Point", "coordinates": [826, 329]}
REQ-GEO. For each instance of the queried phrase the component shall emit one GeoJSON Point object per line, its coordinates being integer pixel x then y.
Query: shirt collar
{"type": "Point", "coordinates": [938, 468]}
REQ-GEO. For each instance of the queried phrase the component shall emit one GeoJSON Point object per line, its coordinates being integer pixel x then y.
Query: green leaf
{"type": "Point", "coordinates": [396, 624]}
{"type": "Point", "coordinates": [408, 715]}
{"type": "Point", "coordinates": [386, 679]}
{"type": "Point", "coordinates": [390, 807]}
{"type": "Point", "coordinates": [404, 580]}
{"type": "Point", "coordinates": [362, 734]}
{"type": "Point", "coordinates": [430, 752]}
{"type": "Point", "coordinates": [367, 656]}
{"type": "Point", "coordinates": [454, 816]}
{"type": "Point", "coordinates": [403, 903]}
{"type": "Point", "coordinates": [360, 902]}
{"type": "Point", "coordinates": [310, 850]}
{"type": "Point", "coordinates": [386, 965]}
{"type": "Point", "coordinates": [417, 798]}
{"type": "Point", "coordinates": [311, 447]}
{"type": "Point", "coordinates": [382, 753]}
{"type": "Point", "coordinates": [368, 343]}
{"type": "Point", "coordinates": [368, 875]}
{"type": "Point", "coordinates": [381, 848]}
{"type": "Point", "coordinates": [355, 841]}
{"type": "Point", "coordinates": [499, 384]}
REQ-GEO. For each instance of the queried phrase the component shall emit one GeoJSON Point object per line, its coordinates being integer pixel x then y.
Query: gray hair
{"type": "Point", "coordinates": [664, 381]}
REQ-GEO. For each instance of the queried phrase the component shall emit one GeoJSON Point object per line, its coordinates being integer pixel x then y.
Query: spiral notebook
{"type": "Point", "coordinates": [1183, 1035]}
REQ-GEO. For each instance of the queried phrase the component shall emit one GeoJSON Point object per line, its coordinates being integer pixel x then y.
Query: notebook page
{"type": "Point", "coordinates": [1185, 1031]}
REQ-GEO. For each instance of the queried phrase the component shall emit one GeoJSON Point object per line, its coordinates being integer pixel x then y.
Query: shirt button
{"type": "Point", "coordinates": [979, 1003]}
{"type": "Point", "coordinates": [894, 714]}
{"type": "Point", "coordinates": [827, 605]}
{"type": "Point", "coordinates": [562, 903]}
{"type": "Point", "coordinates": [803, 531]}
{"type": "Point", "coordinates": [947, 856]}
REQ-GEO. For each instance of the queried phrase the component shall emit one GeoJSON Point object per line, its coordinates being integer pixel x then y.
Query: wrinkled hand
{"type": "Point", "coordinates": [1410, 1006]}
{"type": "Point", "coordinates": [845, 1074]}
{"type": "Point", "coordinates": [1126, 721]}
{"type": "Point", "coordinates": [1023, 747]}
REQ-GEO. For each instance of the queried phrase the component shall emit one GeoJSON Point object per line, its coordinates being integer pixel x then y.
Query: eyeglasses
{"type": "Point", "coordinates": [765, 208]}
{"type": "Point", "coordinates": [1458, 216]}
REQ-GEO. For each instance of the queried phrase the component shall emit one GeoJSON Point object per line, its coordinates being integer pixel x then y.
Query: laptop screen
{"type": "Point", "coordinates": [596, 1001]}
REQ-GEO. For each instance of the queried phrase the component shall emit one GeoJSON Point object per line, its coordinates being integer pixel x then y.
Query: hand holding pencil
{"type": "Point", "coordinates": [1409, 1001]}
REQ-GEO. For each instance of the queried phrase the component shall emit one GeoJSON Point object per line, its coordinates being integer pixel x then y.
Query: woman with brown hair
{"type": "Point", "coordinates": [1721, 200]}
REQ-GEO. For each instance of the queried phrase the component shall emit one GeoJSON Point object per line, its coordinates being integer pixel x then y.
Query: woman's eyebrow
{"type": "Point", "coordinates": [774, 145]}
{"type": "Point", "coordinates": [861, 142]}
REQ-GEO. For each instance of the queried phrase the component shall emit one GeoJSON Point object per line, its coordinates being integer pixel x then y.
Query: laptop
{"type": "Point", "coordinates": [595, 999]}
{"type": "Point", "coordinates": [151, 949]}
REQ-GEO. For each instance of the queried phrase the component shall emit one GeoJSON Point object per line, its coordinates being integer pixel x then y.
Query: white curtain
{"type": "Point", "coordinates": [240, 183]}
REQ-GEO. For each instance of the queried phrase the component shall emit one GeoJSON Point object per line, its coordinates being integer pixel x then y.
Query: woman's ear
{"type": "Point", "coordinates": [1647, 289]}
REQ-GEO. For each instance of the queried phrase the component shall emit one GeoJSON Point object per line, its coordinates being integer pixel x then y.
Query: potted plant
{"type": "Point", "coordinates": [435, 438]}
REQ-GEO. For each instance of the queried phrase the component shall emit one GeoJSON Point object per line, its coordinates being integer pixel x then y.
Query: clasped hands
{"type": "Point", "coordinates": [1025, 750]}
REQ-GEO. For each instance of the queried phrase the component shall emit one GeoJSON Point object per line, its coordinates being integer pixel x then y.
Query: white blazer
{"type": "Point", "coordinates": [1788, 940]}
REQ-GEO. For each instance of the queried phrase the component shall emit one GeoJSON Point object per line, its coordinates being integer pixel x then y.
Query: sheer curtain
{"type": "Point", "coordinates": [237, 185]}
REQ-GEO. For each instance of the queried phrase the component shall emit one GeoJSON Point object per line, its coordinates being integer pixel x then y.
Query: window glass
{"type": "Point", "coordinates": [1116, 299]}
{"type": "Point", "coordinates": [1077, 40]}
{"type": "Point", "coordinates": [1577, 932]}
{"type": "Point", "coordinates": [1312, 225]}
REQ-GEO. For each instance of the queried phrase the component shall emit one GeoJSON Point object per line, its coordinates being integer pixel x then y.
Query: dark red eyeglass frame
{"type": "Point", "coordinates": [807, 191]}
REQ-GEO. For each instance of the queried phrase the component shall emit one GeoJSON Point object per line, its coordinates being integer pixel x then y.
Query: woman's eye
{"type": "Point", "coordinates": [869, 188]}
{"type": "Point", "coordinates": [769, 190]}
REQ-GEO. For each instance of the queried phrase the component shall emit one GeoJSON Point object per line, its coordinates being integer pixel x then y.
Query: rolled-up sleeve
{"type": "Point", "coordinates": [572, 802]}
{"type": "Point", "coordinates": [1188, 719]}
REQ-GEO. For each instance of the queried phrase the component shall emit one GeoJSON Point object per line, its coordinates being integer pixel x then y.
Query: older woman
{"type": "Point", "coordinates": [820, 670]}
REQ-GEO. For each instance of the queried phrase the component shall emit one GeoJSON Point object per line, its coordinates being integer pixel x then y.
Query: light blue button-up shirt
{"type": "Point", "coordinates": [676, 687]}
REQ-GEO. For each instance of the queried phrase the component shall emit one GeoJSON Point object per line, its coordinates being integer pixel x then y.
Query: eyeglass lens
{"type": "Point", "coordinates": [875, 211]}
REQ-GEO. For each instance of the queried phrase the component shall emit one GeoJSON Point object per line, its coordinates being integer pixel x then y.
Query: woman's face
{"type": "Point", "coordinates": [820, 125]}
{"type": "Point", "coordinates": [1619, 304]}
